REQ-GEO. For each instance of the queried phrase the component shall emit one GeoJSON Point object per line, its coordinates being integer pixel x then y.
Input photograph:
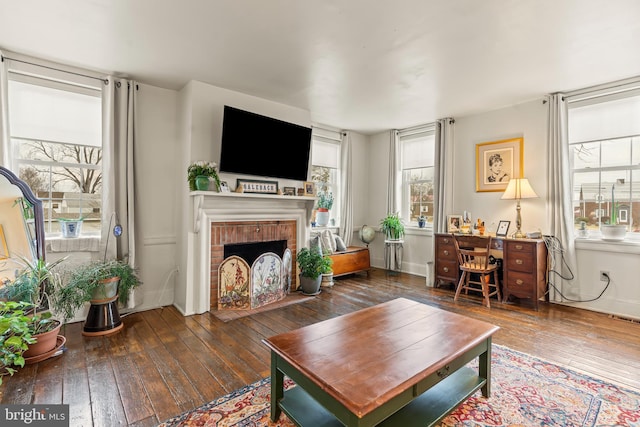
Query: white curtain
{"type": "Point", "coordinates": [393, 195]}
{"type": "Point", "coordinates": [559, 206]}
{"type": "Point", "coordinates": [442, 177]}
{"type": "Point", "coordinates": [119, 135]}
{"type": "Point", "coordinates": [442, 184]}
{"type": "Point", "coordinates": [5, 141]}
{"type": "Point", "coordinates": [346, 190]}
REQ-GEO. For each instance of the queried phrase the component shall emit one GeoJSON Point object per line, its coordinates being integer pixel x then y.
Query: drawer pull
{"type": "Point", "coordinates": [446, 253]}
{"type": "Point", "coordinates": [519, 247]}
{"type": "Point", "coordinates": [519, 262]}
{"type": "Point", "coordinates": [445, 240]}
{"type": "Point", "coordinates": [444, 372]}
{"type": "Point", "coordinates": [445, 269]}
{"type": "Point", "coordinates": [519, 282]}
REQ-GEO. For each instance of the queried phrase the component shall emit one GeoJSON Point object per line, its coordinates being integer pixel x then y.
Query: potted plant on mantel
{"type": "Point", "coordinates": [312, 264]}
{"type": "Point", "coordinates": [101, 283]}
{"type": "Point", "coordinates": [199, 173]}
{"type": "Point", "coordinates": [392, 226]}
{"type": "Point", "coordinates": [324, 204]}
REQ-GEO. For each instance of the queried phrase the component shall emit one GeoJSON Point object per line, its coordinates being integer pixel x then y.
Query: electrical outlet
{"type": "Point", "coordinates": [604, 276]}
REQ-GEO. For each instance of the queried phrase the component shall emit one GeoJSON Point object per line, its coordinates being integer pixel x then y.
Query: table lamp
{"type": "Point", "coordinates": [519, 188]}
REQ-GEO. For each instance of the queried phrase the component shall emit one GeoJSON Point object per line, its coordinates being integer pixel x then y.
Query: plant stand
{"type": "Point", "coordinates": [103, 318]}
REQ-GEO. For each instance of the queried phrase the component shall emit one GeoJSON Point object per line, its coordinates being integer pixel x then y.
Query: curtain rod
{"type": "Point", "coordinates": [105, 81]}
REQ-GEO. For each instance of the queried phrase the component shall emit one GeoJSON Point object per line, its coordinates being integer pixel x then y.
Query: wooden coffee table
{"type": "Point", "coordinates": [399, 363]}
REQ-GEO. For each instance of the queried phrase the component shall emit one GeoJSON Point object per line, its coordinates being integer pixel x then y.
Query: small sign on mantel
{"type": "Point", "coordinates": [258, 186]}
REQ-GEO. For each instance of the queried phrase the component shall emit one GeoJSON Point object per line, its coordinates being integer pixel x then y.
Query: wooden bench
{"type": "Point", "coordinates": [353, 260]}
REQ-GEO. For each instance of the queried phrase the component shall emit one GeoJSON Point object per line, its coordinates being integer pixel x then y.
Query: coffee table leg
{"type": "Point", "coordinates": [277, 387]}
{"type": "Point", "coordinates": [484, 369]}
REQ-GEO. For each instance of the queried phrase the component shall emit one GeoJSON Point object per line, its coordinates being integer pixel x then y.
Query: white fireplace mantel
{"type": "Point", "coordinates": [208, 207]}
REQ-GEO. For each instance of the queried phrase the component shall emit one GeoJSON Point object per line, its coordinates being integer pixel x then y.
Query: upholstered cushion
{"type": "Point", "coordinates": [314, 243]}
{"type": "Point", "coordinates": [340, 246]}
{"type": "Point", "coordinates": [327, 242]}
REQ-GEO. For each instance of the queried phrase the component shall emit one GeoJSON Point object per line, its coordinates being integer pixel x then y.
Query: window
{"type": "Point", "coordinates": [604, 144]}
{"type": "Point", "coordinates": [417, 152]}
{"type": "Point", "coordinates": [56, 135]}
{"type": "Point", "coordinates": [325, 166]}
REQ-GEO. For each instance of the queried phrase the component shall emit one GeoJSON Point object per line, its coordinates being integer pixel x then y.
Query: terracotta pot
{"type": "Point", "coordinates": [45, 342]}
{"type": "Point", "coordinates": [107, 291]}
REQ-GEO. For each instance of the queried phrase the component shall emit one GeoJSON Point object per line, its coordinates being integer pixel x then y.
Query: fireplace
{"type": "Point", "coordinates": [253, 275]}
{"type": "Point", "coordinates": [248, 239]}
{"type": "Point", "coordinates": [219, 219]}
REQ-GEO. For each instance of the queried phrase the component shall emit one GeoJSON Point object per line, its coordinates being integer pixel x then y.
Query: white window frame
{"type": "Point", "coordinates": [329, 139]}
{"type": "Point", "coordinates": [29, 73]}
{"type": "Point", "coordinates": [625, 190]}
{"type": "Point", "coordinates": [425, 134]}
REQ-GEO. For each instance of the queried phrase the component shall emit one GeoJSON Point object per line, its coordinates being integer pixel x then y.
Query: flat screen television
{"type": "Point", "coordinates": [258, 145]}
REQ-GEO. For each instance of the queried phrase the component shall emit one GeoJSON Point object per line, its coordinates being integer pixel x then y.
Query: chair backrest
{"type": "Point", "coordinates": [476, 258]}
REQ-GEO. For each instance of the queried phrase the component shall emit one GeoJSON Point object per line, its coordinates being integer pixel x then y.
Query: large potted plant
{"type": "Point", "coordinates": [324, 205]}
{"type": "Point", "coordinates": [101, 283]}
{"type": "Point", "coordinates": [392, 226]}
{"type": "Point", "coordinates": [312, 264]}
{"type": "Point", "coordinates": [33, 285]}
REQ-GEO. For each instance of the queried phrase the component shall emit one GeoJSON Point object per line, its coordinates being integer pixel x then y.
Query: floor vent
{"type": "Point", "coordinates": [626, 319]}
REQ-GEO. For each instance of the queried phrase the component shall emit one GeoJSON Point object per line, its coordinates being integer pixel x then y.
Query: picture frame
{"type": "Point", "coordinates": [497, 162]}
{"type": "Point", "coordinates": [224, 187]}
{"type": "Point", "coordinates": [289, 191]}
{"type": "Point", "coordinates": [300, 191]}
{"type": "Point", "coordinates": [454, 222]}
{"type": "Point", "coordinates": [4, 250]}
{"type": "Point", "coordinates": [258, 186]}
{"type": "Point", "coordinates": [503, 228]}
{"type": "Point", "coordinates": [309, 188]}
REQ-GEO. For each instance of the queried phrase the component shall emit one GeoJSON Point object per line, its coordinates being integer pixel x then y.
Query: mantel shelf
{"type": "Point", "coordinates": [251, 195]}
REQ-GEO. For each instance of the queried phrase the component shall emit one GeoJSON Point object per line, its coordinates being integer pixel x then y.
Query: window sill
{"type": "Point", "coordinates": [87, 243]}
{"type": "Point", "coordinates": [628, 245]}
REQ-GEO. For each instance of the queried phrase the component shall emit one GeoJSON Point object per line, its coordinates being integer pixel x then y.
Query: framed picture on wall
{"type": "Point", "coordinates": [497, 162]}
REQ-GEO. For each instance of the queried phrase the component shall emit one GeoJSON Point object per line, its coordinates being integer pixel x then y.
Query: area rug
{"type": "Point", "coordinates": [292, 298]}
{"type": "Point", "coordinates": [525, 391]}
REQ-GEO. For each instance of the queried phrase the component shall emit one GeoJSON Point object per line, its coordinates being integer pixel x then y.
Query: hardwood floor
{"type": "Point", "coordinates": [162, 364]}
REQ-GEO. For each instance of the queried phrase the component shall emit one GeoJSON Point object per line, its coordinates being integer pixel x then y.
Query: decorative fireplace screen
{"type": "Point", "coordinates": [241, 287]}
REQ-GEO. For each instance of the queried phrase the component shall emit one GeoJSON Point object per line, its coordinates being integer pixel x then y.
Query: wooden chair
{"type": "Point", "coordinates": [476, 261]}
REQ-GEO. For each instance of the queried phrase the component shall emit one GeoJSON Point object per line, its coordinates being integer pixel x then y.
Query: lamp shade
{"type": "Point", "coordinates": [519, 188]}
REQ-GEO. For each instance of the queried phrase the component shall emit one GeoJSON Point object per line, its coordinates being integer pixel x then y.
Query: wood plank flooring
{"type": "Point", "coordinates": [162, 363]}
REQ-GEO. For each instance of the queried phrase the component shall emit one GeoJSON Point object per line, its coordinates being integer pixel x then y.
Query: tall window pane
{"type": "Point", "coordinates": [417, 151]}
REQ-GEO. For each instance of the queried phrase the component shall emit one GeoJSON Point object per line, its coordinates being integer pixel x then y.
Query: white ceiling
{"type": "Point", "coordinates": [364, 65]}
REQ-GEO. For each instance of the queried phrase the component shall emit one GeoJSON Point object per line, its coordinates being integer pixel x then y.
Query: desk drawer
{"type": "Point", "coordinates": [520, 247]}
{"type": "Point", "coordinates": [448, 269]}
{"type": "Point", "coordinates": [522, 261]}
{"type": "Point", "coordinates": [520, 284]}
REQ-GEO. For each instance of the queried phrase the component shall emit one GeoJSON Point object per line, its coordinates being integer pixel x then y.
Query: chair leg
{"type": "Point", "coordinates": [485, 289]}
{"type": "Point", "coordinates": [460, 285]}
{"type": "Point", "coordinates": [495, 278]}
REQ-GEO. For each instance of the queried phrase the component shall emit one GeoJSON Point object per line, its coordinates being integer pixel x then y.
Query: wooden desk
{"type": "Point", "coordinates": [524, 265]}
{"type": "Point", "coordinates": [385, 363]}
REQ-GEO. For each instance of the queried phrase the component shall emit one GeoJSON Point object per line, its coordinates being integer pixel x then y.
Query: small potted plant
{"type": "Point", "coordinates": [392, 226]}
{"type": "Point", "coordinates": [324, 204]}
{"type": "Point", "coordinates": [312, 264]}
{"type": "Point", "coordinates": [199, 173]}
{"type": "Point", "coordinates": [422, 221]}
{"type": "Point", "coordinates": [95, 281]}
{"type": "Point", "coordinates": [70, 227]}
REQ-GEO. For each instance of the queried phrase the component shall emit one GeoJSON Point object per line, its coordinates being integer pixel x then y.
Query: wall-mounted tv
{"type": "Point", "coordinates": [258, 145]}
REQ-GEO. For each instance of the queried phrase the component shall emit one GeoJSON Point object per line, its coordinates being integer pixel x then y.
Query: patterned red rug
{"type": "Point", "coordinates": [525, 391]}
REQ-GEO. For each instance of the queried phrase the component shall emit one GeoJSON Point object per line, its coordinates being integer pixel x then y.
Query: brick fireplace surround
{"type": "Point", "coordinates": [225, 218]}
{"type": "Point", "coordinates": [227, 232]}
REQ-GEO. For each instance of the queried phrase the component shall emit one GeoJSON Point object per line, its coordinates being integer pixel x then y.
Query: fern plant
{"type": "Point", "coordinates": [392, 226]}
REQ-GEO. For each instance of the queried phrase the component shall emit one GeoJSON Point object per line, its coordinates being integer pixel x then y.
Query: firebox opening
{"type": "Point", "coordinates": [251, 251]}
